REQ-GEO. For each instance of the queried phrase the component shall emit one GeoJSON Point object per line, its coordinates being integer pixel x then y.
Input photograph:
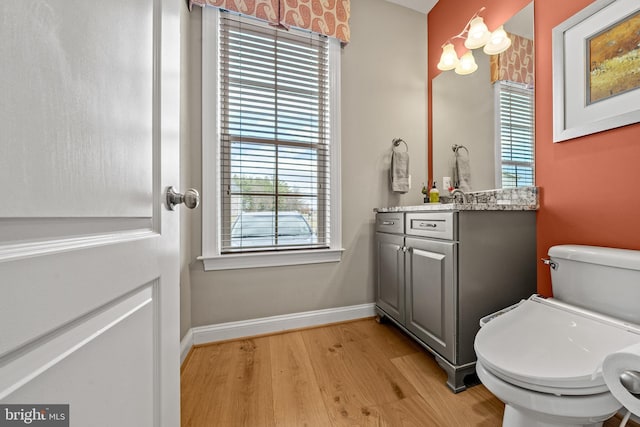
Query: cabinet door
{"type": "Point", "coordinates": [390, 275]}
{"type": "Point", "coordinates": [430, 293]}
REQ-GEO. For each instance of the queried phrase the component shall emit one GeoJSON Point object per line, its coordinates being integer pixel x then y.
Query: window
{"type": "Point", "coordinates": [270, 125]}
{"type": "Point", "coordinates": [515, 134]}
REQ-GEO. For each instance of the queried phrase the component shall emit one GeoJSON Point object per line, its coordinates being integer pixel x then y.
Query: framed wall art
{"type": "Point", "coordinates": [596, 69]}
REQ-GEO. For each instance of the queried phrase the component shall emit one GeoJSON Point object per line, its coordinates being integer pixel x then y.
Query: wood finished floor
{"type": "Point", "coordinates": [352, 374]}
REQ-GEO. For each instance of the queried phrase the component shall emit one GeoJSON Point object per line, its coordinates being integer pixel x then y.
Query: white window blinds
{"type": "Point", "coordinates": [274, 138]}
{"type": "Point", "coordinates": [515, 126]}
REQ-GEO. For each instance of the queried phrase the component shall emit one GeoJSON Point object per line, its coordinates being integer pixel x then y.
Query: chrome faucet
{"type": "Point", "coordinates": [457, 191]}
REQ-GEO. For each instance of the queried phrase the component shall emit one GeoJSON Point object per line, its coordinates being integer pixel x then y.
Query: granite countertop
{"type": "Point", "coordinates": [459, 207]}
{"type": "Point", "coordinates": [511, 199]}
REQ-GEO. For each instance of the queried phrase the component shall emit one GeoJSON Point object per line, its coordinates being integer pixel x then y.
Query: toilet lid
{"type": "Point", "coordinates": [551, 349]}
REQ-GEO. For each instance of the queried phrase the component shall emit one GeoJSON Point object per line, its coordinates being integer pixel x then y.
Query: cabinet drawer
{"type": "Point", "coordinates": [390, 222]}
{"type": "Point", "coordinates": [439, 225]}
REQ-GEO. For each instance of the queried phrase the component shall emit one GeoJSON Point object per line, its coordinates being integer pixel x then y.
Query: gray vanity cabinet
{"type": "Point", "coordinates": [415, 287]}
{"type": "Point", "coordinates": [430, 288]}
{"type": "Point", "coordinates": [439, 273]}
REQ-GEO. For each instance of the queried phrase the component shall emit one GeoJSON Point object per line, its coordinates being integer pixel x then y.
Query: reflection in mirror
{"type": "Point", "coordinates": [493, 121]}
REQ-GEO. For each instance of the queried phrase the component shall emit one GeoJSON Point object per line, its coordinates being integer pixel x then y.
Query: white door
{"type": "Point", "coordinates": [89, 127]}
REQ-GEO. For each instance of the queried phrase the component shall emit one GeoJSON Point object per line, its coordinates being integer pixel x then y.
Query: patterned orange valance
{"type": "Point", "coordinates": [328, 17]}
{"type": "Point", "coordinates": [516, 63]}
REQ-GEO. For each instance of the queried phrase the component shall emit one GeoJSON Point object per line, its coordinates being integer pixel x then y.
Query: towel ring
{"type": "Point", "coordinates": [396, 143]}
{"type": "Point", "coordinates": [456, 147]}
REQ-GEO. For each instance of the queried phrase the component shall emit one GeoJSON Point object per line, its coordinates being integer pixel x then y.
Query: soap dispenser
{"type": "Point", "coordinates": [434, 194]}
{"type": "Point", "coordinates": [425, 193]}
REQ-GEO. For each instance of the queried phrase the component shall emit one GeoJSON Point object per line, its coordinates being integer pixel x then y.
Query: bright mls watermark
{"type": "Point", "coordinates": [34, 415]}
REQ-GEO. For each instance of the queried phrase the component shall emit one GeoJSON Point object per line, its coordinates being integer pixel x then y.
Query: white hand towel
{"type": "Point", "coordinates": [400, 172]}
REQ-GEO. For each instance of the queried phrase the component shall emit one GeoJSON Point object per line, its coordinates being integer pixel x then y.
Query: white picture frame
{"type": "Point", "coordinates": [573, 114]}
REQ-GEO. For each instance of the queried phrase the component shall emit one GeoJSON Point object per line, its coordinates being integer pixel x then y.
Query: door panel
{"type": "Point", "coordinates": [390, 275]}
{"type": "Point", "coordinates": [54, 355]}
{"type": "Point", "coordinates": [124, 374]}
{"type": "Point", "coordinates": [48, 292]}
{"type": "Point", "coordinates": [431, 294]}
{"type": "Point", "coordinates": [78, 97]}
{"type": "Point", "coordinates": [88, 254]}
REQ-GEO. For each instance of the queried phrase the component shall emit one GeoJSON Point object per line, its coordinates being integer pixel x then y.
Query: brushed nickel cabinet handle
{"type": "Point", "coordinates": [428, 224]}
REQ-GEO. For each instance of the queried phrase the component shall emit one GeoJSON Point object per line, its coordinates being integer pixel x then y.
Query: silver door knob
{"type": "Point", "coordinates": [190, 198]}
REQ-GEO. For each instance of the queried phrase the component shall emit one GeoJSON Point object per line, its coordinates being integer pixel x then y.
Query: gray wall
{"type": "Point", "coordinates": [383, 96]}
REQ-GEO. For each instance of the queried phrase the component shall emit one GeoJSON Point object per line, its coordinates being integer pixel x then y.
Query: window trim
{"type": "Point", "coordinates": [211, 224]}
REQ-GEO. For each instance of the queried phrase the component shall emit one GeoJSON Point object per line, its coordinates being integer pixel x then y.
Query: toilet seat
{"type": "Point", "coordinates": [551, 347]}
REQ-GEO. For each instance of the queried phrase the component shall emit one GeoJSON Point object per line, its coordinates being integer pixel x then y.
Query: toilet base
{"type": "Point", "coordinates": [527, 408]}
{"type": "Point", "coordinates": [518, 418]}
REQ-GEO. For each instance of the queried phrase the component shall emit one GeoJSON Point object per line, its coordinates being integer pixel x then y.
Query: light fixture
{"type": "Point", "coordinates": [448, 59]}
{"type": "Point", "coordinates": [478, 34]}
{"type": "Point", "coordinates": [498, 42]}
{"type": "Point", "coordinates": [467, 64]}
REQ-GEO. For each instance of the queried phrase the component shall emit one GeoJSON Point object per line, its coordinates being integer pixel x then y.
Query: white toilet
{"type": "Point", "coordinates": [543, 359]}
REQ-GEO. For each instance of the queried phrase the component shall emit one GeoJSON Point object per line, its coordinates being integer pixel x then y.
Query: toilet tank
{"type": "Point", "coordinates": [605, 280]}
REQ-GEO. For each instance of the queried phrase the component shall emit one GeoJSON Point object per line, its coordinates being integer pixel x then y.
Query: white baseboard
{"type": "Point", "coordinates": [267, 325]}
{"type": "Point", "coordinates": [185, 345]}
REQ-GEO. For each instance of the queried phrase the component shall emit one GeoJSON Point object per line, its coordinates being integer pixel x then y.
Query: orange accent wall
{"type": "Point", "coordinates": [590, 185]}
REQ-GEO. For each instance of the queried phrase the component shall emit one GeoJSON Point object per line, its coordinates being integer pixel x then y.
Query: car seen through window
{"type": "Point", "coordinates": [257, 229]}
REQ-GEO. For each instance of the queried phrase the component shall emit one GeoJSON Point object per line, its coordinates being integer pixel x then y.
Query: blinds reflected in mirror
{"type": "Point", "coordinates": [516, 131]}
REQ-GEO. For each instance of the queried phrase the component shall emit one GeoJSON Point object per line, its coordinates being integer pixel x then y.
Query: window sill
{"type": "Point", "coordinates": [256, 260]}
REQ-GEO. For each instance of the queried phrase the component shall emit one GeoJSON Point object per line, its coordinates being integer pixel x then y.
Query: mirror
{"type": "Point", "coordinates": [465, 113]}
